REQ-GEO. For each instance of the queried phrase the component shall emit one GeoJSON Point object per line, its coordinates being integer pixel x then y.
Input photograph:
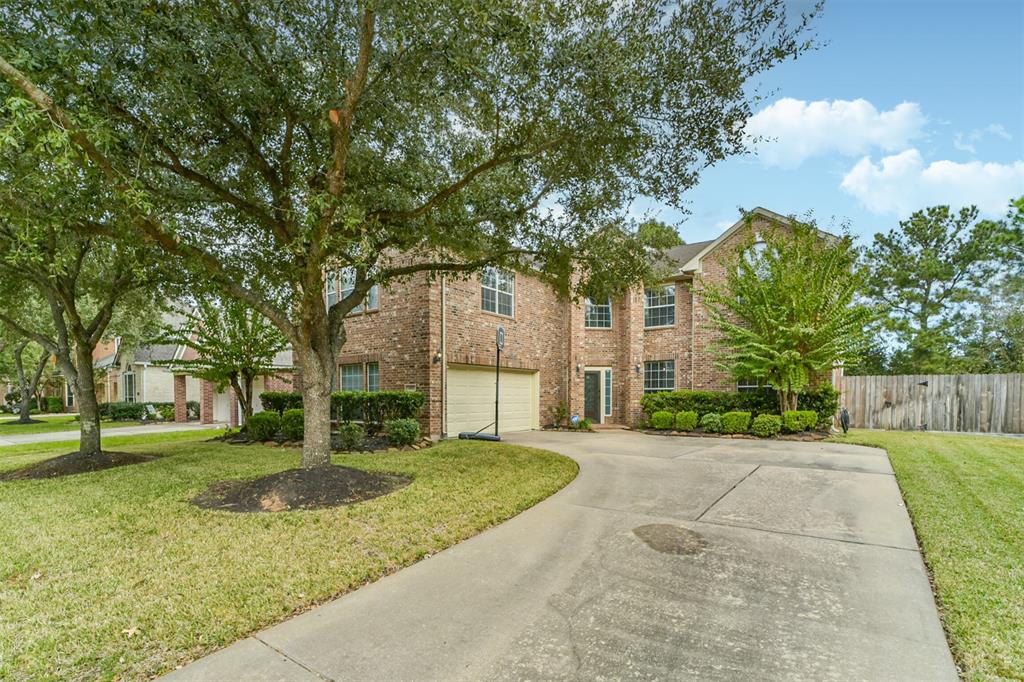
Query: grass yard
{"type": "Point", "coordinates": [49, 424]}
{"type": "Point", "coordinates": [114, 574]}
{"type": "Point", "coordinates": [965, 495]}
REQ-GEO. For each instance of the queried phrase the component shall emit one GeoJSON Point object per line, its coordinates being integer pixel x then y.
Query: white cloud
{"type": "Point", "coordinates": [965, 143]}
{"type": "Point", "coordinates": [902, 183]}
{"type": "Point", "coordinates": [795, 130]}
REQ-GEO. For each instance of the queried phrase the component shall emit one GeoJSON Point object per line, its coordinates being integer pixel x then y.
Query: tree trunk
{"type": "Point", "coordinates": [88, 409]}
{"type": "Point", "coordinates": [316, 405]}
{"type": "Point", "coordinates": [24, 413]}
{"type": "Point", "coordinates": [243, 392]}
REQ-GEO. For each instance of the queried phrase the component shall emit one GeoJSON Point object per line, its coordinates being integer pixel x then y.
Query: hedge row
{"type": "Point", "coordinates": [824, 401]}
{"type": "Point", "coordinates": [267, 424]}
{"type": "Point", "coordinates": [763, 425]}
{"type": "Point", "coordinates": [127, 412]}
{"type": "Point", "coordinates": [372, 407]}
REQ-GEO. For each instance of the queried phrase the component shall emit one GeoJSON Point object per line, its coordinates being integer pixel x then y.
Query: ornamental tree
{"type": "Point", "coordinates": [787, 311]}
{"type": "Point", "coordinates": [23, 361]}
{"type": "Point", "coordinates": [233, 343]}
{"type": "Point", "coordinates": [262, 143]}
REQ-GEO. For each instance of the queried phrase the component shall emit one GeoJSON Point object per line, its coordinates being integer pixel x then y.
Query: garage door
{"type": "Point", "coordinates": [471, 400]}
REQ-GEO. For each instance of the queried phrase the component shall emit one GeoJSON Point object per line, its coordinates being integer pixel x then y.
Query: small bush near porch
{"type": "Point", "coordinates": [116, 575]}
{"type": "Point", "coordinates": [965, 495]}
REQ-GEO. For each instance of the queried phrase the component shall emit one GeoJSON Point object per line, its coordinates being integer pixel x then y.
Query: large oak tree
{"type": "Point", "coordinates": [262, 143]}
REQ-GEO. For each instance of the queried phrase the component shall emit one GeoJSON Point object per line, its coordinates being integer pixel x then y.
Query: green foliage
{"type": "Point", "coordinates": [293, 424]}
{"type": "Point", "coordinates": [584, 425]}
{"type": "Point", "coordinates": [279, 401]}
{"type": "Point", "coordinates": [125, 412]}
{"type": "Point", "coordinates": [824, 401]}
{"type": "Point", "coordinates": [686, 421]}
{"type": "Point", "coordinates": [263, 425]}
{"type": "Point", "coordinates": [377, 407]}
{"type": "Point", "coordinates": [792, 422]}
{"type": "Point", "coordinates": [54, 404]}
{"type": "Point", "coordinates": [787, 313]}
{"type": "Point", "coordinates": [711, 422]}
{"type": "Point", "coordinates": [703, 402]}
{"type": "Point", "coordinates": [766, 425]}
{"type": "Point", "coordinates": [350, 436]}
{"type": "Point", "coordinates": [929, 276]}
{"type": "Point", "coordinates": [663, 419]}
{"type": "Point", "coordinates": [560, 414]}
{"type": "Point", "coordinates": [808, 419]}
{"type": "Point", "coordinates": [735, 422]}
{"type": "Point", "coordinates": [402, 431]}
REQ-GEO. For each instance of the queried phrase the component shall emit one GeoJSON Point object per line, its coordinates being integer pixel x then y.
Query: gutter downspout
{"type": "Point", "coordinates": [693, 331]}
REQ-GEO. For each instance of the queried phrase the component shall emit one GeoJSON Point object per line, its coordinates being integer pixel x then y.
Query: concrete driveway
{"type": "Point", "coordinates": [667, 558]}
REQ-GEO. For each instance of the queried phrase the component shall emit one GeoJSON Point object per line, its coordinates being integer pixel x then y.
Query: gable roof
{"type": "Point", "coordinates": [692, 262]}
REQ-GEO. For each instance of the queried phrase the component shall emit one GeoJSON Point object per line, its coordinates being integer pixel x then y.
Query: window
{"type": "Point", "coordinates": [597, 315]}
{"type": "Point", "coordinates": [660, 306]}
{"type": "Point", "coordinates": [358, 376]}
{"type": "Point", "coordinates": [352, 377]}
{"type": "Point", "coordinates": [71, 397]}
{"type": "Point", "coordinates": [372, 376]}
{"type": "Point", "coordinates": [756, 256]}
{"type": "Point", "coordinates": [497, 290]}
{"type": "Point", "coordinates": [607, 392]}
{"type": "Point", "coordinates": [129, 387]}
{"type": "Point", "coordinates": [340, 284]}
{"type": "Point", "coordinates": [747, 385]}
{"type": "Point", "coordinates": [659, 375]}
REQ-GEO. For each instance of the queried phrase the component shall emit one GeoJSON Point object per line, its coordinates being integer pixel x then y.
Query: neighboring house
{"type": "Point", "coordinates": [596, 357]}
{"type": "Point", "coordinates": [223, 406]}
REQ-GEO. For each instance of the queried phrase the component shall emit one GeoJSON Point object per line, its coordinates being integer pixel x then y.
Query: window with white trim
{"type": "Point", "coordinates": [372, 376]}
{"type": "Point", "coordinates": [129, 387]}
{"type": "Point", "coordinates": [660, 306]}
{"type": "Point", "coordinates": [659, 375]}
{"type": "Point", "coordinates": [497, 291]}
{"type": "Point", "coordinates": [597, 315]}
{"type": "Point", "coordinates": [607, 393]}
{"type": "Point", "coordinates": [748, 385]}
{"type": "Point", "coordinates": [360, 376]}
{"type": "Point", "coordinates": [340, 284]}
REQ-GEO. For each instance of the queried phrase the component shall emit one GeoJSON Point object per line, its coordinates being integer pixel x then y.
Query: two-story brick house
{"type": "Point", "coordinates": [597, 357]}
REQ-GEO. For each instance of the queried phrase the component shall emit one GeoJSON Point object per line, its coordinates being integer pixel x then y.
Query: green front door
{"type": "Point", "coordinates": [592, 396]}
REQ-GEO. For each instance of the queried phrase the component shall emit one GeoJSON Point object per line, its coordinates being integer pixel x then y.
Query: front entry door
{"type": "Point", "coordinates": [592, 396]}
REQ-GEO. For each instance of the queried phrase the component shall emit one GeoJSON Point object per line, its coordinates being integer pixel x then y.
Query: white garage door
{"type": "Point", "coordinates": [471, 400]}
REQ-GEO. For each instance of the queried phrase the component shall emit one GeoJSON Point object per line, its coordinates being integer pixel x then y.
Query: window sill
{"type": "Point", "coordinates": [661, 326]}
{"type": "Point", "coordinates": [598, 329]}
{"type": "Point", "coordinates": [501, 315]}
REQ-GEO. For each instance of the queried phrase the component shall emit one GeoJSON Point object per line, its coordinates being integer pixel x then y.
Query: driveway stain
{"type": "Point", "coordinates": [669, 539]}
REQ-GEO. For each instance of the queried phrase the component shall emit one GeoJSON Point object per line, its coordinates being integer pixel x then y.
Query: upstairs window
{"type": "Point", "coordinates": [497, 291]}
{"type": "Point", "coordinates": [748, 385]}
{"type": "Point", "coordinates": [597, 315]}
{"type": "Point", "coordinates": [660, 306]}
{"type": "Point", "coordinates": [340, 284]}
{"type": "Point", "coordinates": [659, 375]}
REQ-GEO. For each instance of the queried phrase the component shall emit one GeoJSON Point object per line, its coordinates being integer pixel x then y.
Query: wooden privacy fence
{"type": "Point", "coordinates": [991, 403]}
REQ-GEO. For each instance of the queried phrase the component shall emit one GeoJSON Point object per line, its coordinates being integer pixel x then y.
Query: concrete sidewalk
{"type": "Point", "coordinates": [667, 558]}
{"type": "Point", "coordinates": [73, 435]}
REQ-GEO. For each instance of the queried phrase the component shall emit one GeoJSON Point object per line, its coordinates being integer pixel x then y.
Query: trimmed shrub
{"type": "Point", "coordinates": [54, 404]}
{"type": "Point", "coordinates": [166, 412]}
{"type": "Point", "coordinates": [704, 402]}
{"type": "Point", "coordinates": [263, 425]}
{"type": "Point", "coordinates": [402, 431]}
{"type": "Point", "coordinates": [711, 422]}
{"type": "Point", "coordinates": [824, 401]}
{"type": "Point", "coordinates": [766, 425]}
{"type": "Point", "coordinates": [350, 436]}
{"type": "Point", "coordinates": [686, 421]}
{"type": "Point", "coordinates": [583, 425]}
{"type": "Point", "coordinates": [377, 407]}
{"type": "Point", "coordinates": [126, 412]}
{"type": "Point", "coordinates": [292, 424]}
{"type": "Point", "coordinates": [279, 401]}
{"type": "Point", "coordinates": [792, 422]}
{"type": "Point", "coordinates": [735, 422]}
{"type": "Point", "coordinates": [663, 419]}
{"type": "Point", "coordinates": [809, 419]}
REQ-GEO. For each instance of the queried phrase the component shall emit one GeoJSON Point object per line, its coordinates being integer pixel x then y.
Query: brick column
{"type": "Point", "coordinates": [574, 397]}
{"type": "Point", "coordinates": [206, 402]}
{"type": "Point", "coordinates": [631, 354]}
{"type": "Point", "coordinates": [180, 408]}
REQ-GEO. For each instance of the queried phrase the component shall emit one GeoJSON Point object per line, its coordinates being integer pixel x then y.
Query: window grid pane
{"type": "Point", "coordinates": [497, 289]}
{"type": "Point", "coordinates": [597, 315]}
{"type": "Point", "coordinates": [659, 375]}
{"type": "Point", "coordinates": [747, 385]}
{"type": "Point", "coordinates": [660, 306]}
{"type": "Point", "coordinates": [607, 392]}
{"type": "Point", "coordinates": [372, 376]}
{"type": "Point", "coordinates": [352, 377]}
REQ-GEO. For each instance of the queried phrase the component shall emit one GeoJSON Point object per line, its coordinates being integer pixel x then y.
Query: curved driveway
{"type": "Point", "coordinates": [667, 558]}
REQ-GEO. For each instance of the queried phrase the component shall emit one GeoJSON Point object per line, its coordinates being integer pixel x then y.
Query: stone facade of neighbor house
{"type": "Point", "coordinates": [438, 337]}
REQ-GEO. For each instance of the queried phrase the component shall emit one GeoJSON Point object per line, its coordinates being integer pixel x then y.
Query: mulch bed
{"type": "Point", "coordinates": [318, 488]}
{"type": "Point", "coordinates": [75, 463]}
{"type": "Point", "coordinates": [376, 443]}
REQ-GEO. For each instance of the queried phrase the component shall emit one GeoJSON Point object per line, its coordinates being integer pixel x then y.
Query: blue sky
{"type": "Point", "coordinates": [910, 103]}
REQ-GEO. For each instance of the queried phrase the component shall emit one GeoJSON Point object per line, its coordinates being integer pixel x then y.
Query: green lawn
{"type": "Point", "coordinates": [49, 424]}
{"type": "Point", "coordinates": [965, 495]}
{"type": "Point", "coordinates": [114, 574]}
